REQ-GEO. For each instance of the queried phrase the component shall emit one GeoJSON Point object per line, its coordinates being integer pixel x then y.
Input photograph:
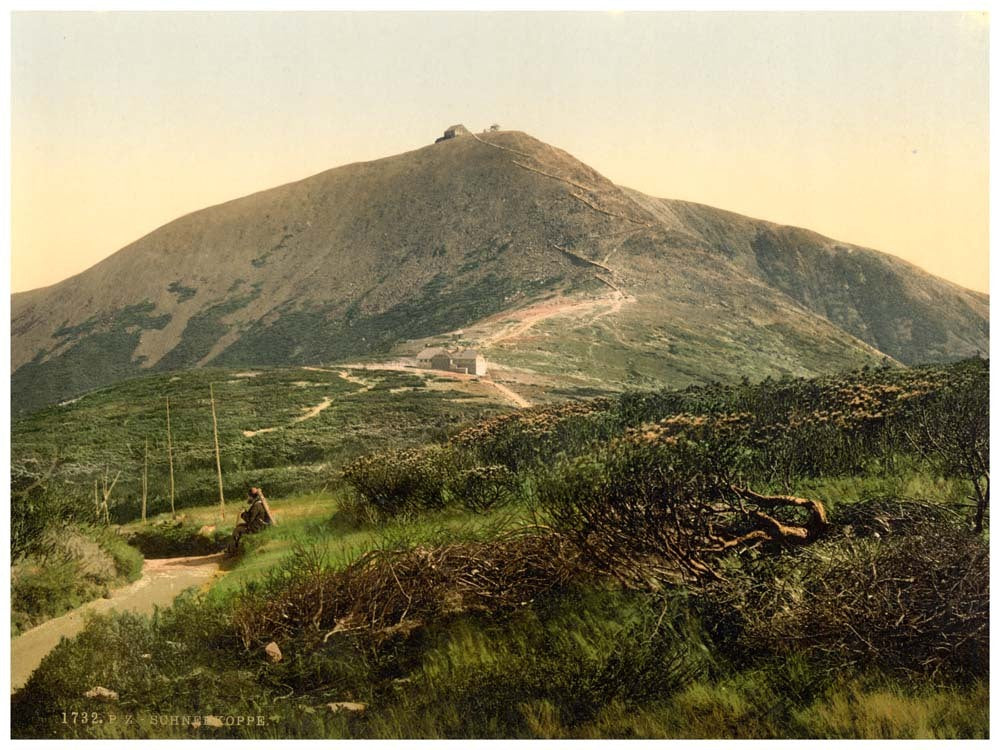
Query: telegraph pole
{"type": "Point", "coordinates": [218, 460]}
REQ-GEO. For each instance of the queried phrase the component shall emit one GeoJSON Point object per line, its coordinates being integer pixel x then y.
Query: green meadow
{"type": "Point", "coordinates": [786, 559]}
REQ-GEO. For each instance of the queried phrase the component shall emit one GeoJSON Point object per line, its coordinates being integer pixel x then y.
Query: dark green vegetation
{"type": "Point", "coordinates": [84, 356]}
{"type": "Point", "coordinates": [788, 559]}
{"type": "Point", "coordinates": [71, 446]}
{"type": "Point", "coordinates": [356, 261]}
{"type": "Point", "coordinates": [59, 453]}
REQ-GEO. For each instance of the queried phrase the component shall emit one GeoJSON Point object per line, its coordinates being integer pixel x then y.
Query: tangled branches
{"type": "Point", "coordinates": [648, 514]}
{"type": "Point", "coordinates": [892, 515]}
{"type": "Point", "coordinates": [391, 592]}
{"type": "Point", "coordinates": [913, 602]}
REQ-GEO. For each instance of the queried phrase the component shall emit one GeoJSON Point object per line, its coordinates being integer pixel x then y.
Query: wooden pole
{"type": "Point", "coordinates": [170, 458]}
{"type": "Point", "coordinates": [145, 478]}
{"type": "Point", "coordinates": [107, 493]}
{"type": "Point", "coordinates": [218, 460]}
{"type": "Point", "coordinates": [97, 503]}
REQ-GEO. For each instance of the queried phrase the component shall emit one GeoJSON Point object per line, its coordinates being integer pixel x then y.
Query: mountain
{"type": "Point", "coordinates": [494, 240]}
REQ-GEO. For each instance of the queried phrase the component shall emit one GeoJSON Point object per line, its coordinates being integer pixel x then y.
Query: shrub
{"type": "Point", "coordinates": [176, 539]}
{"type": "Point", "coordinates": [398, 482]}
{"type": "Point", "coordinates": [388, 591]}
{"type": "Point", "coordinates": [79, 564]}
{"type": "Point", "coordinates": [916, 602]}
{"type": "Point", "coordinates": [127, 559]}
{"type": "Point", "coordinates": [650, 513]}
{"type": "Point", "coordinates": [483, 488]}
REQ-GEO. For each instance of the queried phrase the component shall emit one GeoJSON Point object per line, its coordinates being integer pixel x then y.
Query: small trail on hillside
{"type": "Point", "coordinates": [161, 581]}
{"type": "Point", "coordinates": [509, 395]}
{"type": "Point", "coordinates": [530, 316]}
{"type": "Point", "coordinates": [315, 411]}
{"type": "Point", "coordinates": [515, 398]}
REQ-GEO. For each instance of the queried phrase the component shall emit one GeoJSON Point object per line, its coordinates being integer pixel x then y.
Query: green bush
{"type": "Point", "coordinates": [483, 488]}
{"type": "Point", "coordinates": [176, 539]}
{"type": "Point", "coordinates": [80, 563]}
{"type": "Point", "coordinates": [399, 482]}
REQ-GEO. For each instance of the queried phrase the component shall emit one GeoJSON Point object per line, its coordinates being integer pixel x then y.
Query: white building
{"type": "Point", "coordinates": [469, 360]}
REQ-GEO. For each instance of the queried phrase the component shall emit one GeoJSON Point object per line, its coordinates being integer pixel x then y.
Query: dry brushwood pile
{"type": "Point", "coordinates": [895, 515]}
{"type": "Point", "coordinates": [916, 602]}
{"type": "Point", "coordinates": [391, 592]}
{"type": "Point", "coordinates": [647, 517]}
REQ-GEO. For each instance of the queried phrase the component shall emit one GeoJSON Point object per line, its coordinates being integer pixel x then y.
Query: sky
{"type": "Point", "coordinates": [869, 128]}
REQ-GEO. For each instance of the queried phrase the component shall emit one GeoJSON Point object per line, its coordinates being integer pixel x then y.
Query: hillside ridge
{"type": "Point", "coordinates": [358, 260]}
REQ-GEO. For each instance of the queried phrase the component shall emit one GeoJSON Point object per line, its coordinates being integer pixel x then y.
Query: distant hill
{"type": "Point", "coordinates": [494, 240]}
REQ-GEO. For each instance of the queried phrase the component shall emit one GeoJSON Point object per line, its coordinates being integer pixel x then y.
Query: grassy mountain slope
{"type": "Point", "coordinates": [281, 428]}
{"type": "Point", "coordinates": [356, 260]}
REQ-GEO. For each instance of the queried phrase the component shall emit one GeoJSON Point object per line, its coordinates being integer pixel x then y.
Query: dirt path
{"type": "Point", "coordinates": [400, 366]}
{"type": "Point", "coordinates": [529, 316]}
{"type": "Point", "coordinates": [515, 398]}
{"type": "Point", "coordinates": [161, 582]}
{"type": "Point", "coordinates": [314, 411]}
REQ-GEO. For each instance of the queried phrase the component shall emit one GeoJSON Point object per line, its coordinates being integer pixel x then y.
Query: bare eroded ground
{"type": "Point", "coordinates": [161, 582]}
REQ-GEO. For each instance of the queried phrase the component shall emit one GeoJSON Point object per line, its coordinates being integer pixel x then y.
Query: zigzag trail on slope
{"type": "Point", "coordinates": [528, 317]}
{"type": "Point", "coordinates": [313, 411]}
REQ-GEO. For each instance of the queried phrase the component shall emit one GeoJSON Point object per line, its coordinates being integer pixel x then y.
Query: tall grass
{"type": "Point", "coordinates": [74, 566]}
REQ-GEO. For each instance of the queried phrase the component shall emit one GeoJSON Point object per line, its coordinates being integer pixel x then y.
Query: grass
{"type": "Point", "coordinates": [911, 482]}
{"type": "Point", "coordinates": [324, 519]}
{"type": "Point", "coordinates": [79, 564]}
{"type": "Point", "coordinates": [581, 663]}
{"type": "Point", "coordinates": [588, 659]}
{"type": "Point", "coordinates": [108, 428]}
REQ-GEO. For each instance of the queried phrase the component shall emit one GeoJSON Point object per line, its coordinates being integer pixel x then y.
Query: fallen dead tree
{"type": "Point", "coordinates": [650, 517]}
{"type": "Point", "coordinates": [385, 593]}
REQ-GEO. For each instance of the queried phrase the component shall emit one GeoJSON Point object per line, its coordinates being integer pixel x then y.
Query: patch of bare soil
{"type": "Point", "coordinates": [161, 582]}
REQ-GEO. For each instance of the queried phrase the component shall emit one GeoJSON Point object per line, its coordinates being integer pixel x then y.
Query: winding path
{"type": "Point", "coordinates": [161, 582]}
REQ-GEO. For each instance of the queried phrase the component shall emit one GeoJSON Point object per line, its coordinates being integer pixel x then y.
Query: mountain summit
{"type": "Point", "coordinates": [494, 240]}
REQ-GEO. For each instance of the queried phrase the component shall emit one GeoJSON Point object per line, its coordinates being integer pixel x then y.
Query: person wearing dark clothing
{"type": "Point", "coordinates": [255, 518]}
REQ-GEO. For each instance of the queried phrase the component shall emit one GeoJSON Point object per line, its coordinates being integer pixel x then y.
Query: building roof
{"type": "Point", "coordinates": [430, 352]}
{"type": "Point", "coordinates": [467, 354]}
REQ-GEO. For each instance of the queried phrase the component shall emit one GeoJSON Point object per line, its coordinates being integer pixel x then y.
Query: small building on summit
{"type": "Point", "coordinates": [453, 132]}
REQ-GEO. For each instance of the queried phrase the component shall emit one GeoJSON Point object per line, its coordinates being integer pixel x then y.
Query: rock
{"type": "Point", "coordinates": [101, 694]}
{"type": "Point", "coordinates": [213, 721]}
{"type": "Point", "coordinates": [147, 656]}
{"type": "Point", "coordinates": [206, 531]}
{"type": "Point", "coordinates": [347, 707]}
{"type": "Point", "coordinates": [272, 652]}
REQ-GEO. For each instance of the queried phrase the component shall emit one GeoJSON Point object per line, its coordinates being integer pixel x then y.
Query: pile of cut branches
{"type": "Point", "coordinates": [388, 592]}
{"type": "Point", "coordinates": [913, 602]}
{"type": "Point", "coordinates": [649, 516]}
{"type": "Point", "coordinates": [890, 514]}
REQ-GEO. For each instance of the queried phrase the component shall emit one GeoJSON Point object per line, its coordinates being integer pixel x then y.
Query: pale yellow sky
{"type": "Point", "coordinates": [870, 128]}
